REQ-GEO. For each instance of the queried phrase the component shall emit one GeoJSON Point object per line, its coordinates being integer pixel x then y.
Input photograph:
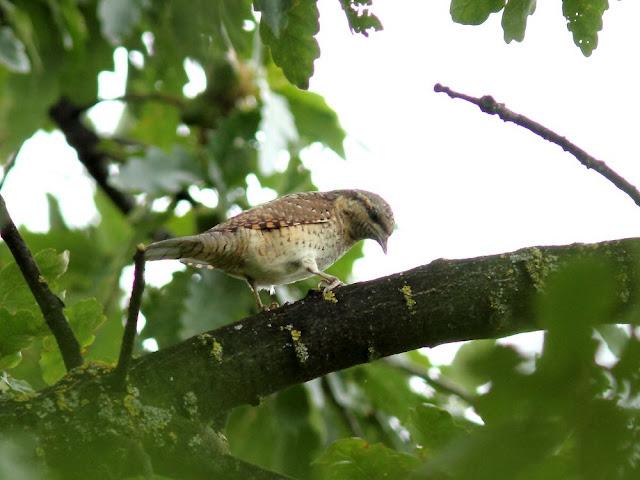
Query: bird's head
{"type": "Point", "coordinates": [366, 215]}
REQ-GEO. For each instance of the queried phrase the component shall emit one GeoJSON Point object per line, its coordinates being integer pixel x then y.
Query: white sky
{"type": "Point", "coordinates": [461, 183]}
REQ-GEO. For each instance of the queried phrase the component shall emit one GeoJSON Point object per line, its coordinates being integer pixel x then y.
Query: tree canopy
{"type": "Point", "coordinates": [326, 387]}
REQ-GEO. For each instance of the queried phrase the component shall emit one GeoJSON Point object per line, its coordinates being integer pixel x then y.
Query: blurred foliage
{"type": "Point", "coordinates": [186, 161]}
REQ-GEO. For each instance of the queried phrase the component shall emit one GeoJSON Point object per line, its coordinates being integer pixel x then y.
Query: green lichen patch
{"type": "Point", "coordinates": [329, 296]}
{"type": "Point", "coordinates": [302, 353]}
{"type": "Point", "coordinates": [295, 335]}
{"type": "Point", "coordinates": [372, 353]}
{"type": "Point", "coordinates": [190, 403]}
{"type": "Point", "coordinates": [216, 350]}
{"type": "Point", "coordinates": [409, 301]}
{"type": "Point", "coordinates": [537, 264]}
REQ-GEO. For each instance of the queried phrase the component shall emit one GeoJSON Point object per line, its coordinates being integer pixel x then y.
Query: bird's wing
{"type": "Point", "coordinates": [295, 209]}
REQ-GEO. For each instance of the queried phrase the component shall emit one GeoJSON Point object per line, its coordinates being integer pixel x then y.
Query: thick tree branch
{"type": "Point", "coordinates": [177, 392]}
{"type": "Point", "coordinates": [129, 336]}
{"type": "Point", "coordinates": [488, 105]}
{"type": "Point", "coordinates": [67, 117]}
{"type": "Point", "coordinates": [50, 305]}
{"type": "Point", "coordinates": [445, 301]}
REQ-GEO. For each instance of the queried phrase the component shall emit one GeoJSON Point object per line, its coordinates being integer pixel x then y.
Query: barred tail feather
{"type": "Point", "coordinates": [174, 248]}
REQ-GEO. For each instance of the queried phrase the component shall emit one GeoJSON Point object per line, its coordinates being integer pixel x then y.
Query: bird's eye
{"type": "Point", "coordinates": [374, 216]}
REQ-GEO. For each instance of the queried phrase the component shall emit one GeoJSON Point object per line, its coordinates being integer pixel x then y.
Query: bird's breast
{"type": "Point", "coordinates": [274, 256]}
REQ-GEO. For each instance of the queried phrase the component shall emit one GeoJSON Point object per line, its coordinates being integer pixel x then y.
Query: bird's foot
{"type": "Point", "coordinates": [326, 285]}
{"type": "Point", "coordinates": [272, 306]}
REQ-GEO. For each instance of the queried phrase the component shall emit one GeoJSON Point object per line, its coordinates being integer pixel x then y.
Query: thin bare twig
{"type": "Point", "coordinates": [488, 105]}
{"type": "Point", "coordinates": [350, 421]}
{"type": "Point", "coordinates": [437, 383]}
{"type": "Point", "coordinates": [129, 335]}
{"type": "Point", "coordinates": [10, 164]}
{"type": "Point", "coordinates": [49, 303]}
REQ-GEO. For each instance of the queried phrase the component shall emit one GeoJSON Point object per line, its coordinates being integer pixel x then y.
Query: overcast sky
{"type": "Point", "coordinates": [461, 183]}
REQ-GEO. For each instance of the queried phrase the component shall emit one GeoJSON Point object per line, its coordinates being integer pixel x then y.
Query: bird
{"type": "Point", "coordinates": [285, 240]}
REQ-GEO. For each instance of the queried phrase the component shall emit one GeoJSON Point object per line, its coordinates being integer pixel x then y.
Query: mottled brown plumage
{"type": "Point", "coordinates": [287, 239]}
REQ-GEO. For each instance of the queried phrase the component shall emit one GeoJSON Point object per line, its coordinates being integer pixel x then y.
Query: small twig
{"type": "Point", "coordinates": [49, 303]}
{"type": "Point", "coordinates": [488, 105]}
{"type": "Point", "coordinates": [129, 335]}
{"type": "Point", "coordinates": [437, 383]}
{"type": "Point", "coordinates": [348, 418]}
{"type": "Point", "coordinates": [10, 164]}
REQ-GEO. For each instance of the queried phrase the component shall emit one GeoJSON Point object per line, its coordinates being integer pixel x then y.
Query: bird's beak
{"type": "Point", "coordinates": [383, 243]}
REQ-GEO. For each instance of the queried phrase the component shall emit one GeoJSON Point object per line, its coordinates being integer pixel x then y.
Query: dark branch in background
{"type": "Point", "coordinates": [128, 338]}
{"type": "Point", "coordinates": [438, 384]}
{"type": "Point", "coordinates": [488, 105]}
{"type": "Point", "coordinates": [137, 97]}
{"type": "Point", "coordinates": [67, 117]}
{"type": "Point", "coordinates": [50, 305]}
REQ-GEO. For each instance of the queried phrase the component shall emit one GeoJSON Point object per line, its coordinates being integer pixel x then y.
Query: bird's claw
{"type": "Point", "coordinates": [328, 285]}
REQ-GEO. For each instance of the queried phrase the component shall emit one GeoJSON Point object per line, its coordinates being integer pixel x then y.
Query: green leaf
{"type": "Point", "coordinates": [232, 147]}
{"type": "Point", "coordinates": [118, 18]}
{"type": "Point", "coordinates": [14, 387]}
{"type": "Point", "coordinates": [578, 296]}
{"type": "Point", "coordinates": [360, 17]}
{"type": "Point", "coordinates": [70, 22]}
{"type": "Point", "coordinates": [433, 428]}
{"type": "Point", "coordinates": [84, 317]}
{"type": "Point", "coordinates": [615, 336]}
{"type": "Point", "coordinates": [474, 12]}
{"type": "Point", "coordinates": [461, 370]}
{"type": "Point", "coordinates": [158, 173]}
{"type": "Point", "coordinates": [356, 459]}
{"type": "Point", "coordinates": [314, 119]}
{"type": "Point", "coordinates": [514, 19]}
{"type": "Point", "coordinates": [584, 21]}
{"type": "Point", "coordinates": [274, 14]}
{"type": "Point", "coordinates": [214, 299]}
{"type": "Point", "coordinates": [280, 434]}
{"type": "Point", "coordinates": [17, 331]}
{"type": "Point", "coordinates": [294, 48]}
{"type": "Point", "coordinates": [163, 308]}
{"type": "Point", "coordinates": [12, 52]}
{"type": "Point", "coordinates": [234, 14]}
{"type": "Point", "coordinates": [15, 294]}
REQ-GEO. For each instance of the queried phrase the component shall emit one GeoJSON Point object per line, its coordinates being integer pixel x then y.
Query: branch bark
{"type": "Point", "coordinates": [197, 381]}
{"type": "Point", "coordinates": [488, 105]}
{"type": "Point", "coordinates": [50, 305]}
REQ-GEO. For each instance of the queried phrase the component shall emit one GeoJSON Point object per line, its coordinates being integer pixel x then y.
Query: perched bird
{"type": "Point", "coordinates": [288, 239]}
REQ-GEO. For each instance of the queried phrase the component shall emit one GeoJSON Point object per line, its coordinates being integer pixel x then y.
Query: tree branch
{"type": "Point", "coordinates": [128, 338]}
{"type": "Point", "coordinates": [176, 392]}
{"type": "Point", "coordinates": [488, 105]}
{"type": "Point", "coordinates": [50, 305]}
{"type": "Point", "coordinates": [66, 115]}
{"type": "Point", "coordinates": [445, 301]}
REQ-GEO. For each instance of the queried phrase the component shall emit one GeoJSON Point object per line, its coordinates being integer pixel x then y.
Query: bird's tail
{"type": "Point", "coordinates": [174, 248]}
